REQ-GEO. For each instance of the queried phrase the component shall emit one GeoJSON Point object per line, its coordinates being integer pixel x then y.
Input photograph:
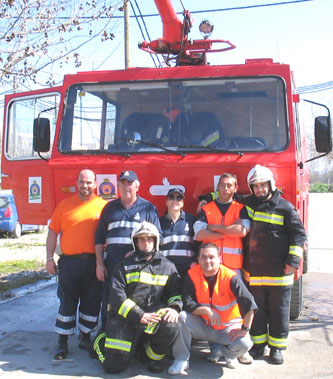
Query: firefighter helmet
{"type": "Point", "coordinates": [146, 229]}
{"type": "Point", "coordinates": [260, 174]}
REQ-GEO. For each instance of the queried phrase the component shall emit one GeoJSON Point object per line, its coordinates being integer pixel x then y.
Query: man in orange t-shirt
{"type": "Point", "coordinates": [76, 219]}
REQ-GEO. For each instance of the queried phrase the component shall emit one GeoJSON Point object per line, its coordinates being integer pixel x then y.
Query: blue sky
{"type": "Point", "coordinates": [299, 34]}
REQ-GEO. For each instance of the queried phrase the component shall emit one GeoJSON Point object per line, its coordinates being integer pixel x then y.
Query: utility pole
{"type": "Point", "coordinates": [126, 32]}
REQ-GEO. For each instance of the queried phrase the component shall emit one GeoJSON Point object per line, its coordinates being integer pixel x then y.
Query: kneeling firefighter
{"type": "Point", "coordinates": [144, 305]}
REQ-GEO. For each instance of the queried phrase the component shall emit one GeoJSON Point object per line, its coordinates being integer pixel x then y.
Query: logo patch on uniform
{"type": "Point", "coordinates": [187, 228]}
{"type": "Point", "coordinates": [131, 267]}
{"type": "Point", "coordinates": [137, 216]}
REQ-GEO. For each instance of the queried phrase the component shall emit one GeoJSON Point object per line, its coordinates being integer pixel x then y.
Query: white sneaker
{"type": "Point", "coordinates": [245, 359]}
{"type": "Point", "coordinates": [178, 367]}
{"type": "Point", "coordinates": [231, 363]}
{"type": "Point", "coordinates": [214, 356]}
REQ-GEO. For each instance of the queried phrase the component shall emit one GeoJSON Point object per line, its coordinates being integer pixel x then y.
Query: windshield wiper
{"type": "Point", "coordinates": [151, 144]}
{"type": "Point", "coordinates": [212, 148]}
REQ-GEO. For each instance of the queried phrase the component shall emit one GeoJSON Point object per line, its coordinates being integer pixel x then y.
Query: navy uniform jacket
{"type": "Point", "coordinates": [116, 225]}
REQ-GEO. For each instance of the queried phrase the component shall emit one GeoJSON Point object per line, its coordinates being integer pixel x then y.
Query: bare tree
{"type": "Point", "coordinates": [36, 33]}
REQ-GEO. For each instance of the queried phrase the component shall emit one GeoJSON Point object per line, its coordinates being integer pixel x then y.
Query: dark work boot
{"type": "Point", "coordinates": [276, 356]}
{"type": "Point", "coordinates": [155, 366]}
{"type": "Point", "coordinates": [84, 341]}
{"type": "Point", "coordinates": [62, 348]}
{"type": "Point", "coordinates": [257, 352]}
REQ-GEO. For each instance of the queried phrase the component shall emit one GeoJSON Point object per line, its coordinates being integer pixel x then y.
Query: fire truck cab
{"type": "Point", "coordinates": [176, 126]}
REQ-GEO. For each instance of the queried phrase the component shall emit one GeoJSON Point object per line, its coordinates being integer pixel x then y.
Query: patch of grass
{"type": "Point", "coordinates": [14, 274]}
{"type": "Point", "coordinates": [11, 267]}
{"type": "Point", "coordinates": [22, 245]}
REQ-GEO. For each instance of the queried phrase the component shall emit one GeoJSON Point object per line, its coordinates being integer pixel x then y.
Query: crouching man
{"type": "Point", "coordinates": [144, 305]}
{"type": "Point", "coordinates": [218, 308]}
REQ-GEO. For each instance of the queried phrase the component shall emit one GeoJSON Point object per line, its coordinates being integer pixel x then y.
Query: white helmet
{"type": "Point", "coordinates": [146, 229]}
{"type": "Point", "coordinates": [260, 174]}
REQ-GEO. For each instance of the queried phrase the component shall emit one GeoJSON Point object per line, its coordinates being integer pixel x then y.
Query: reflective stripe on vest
{"type": "Point", "coordinates": [222, 300]}
{"type": "Point", "coordinates": [147, 278]}
{"type": "Point", "coordinates": [286, 280]}
{"type": "Point", "coordinates": [231, 247]}
{"type": "Point", "coordinates": [111, 343]}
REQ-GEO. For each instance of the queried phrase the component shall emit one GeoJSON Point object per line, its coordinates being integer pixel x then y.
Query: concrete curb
{"type": "Point", "coordinates": [24, 290]}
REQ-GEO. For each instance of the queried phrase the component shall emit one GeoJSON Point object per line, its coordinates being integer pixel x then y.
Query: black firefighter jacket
{"type": "Point", "coordinates": [276, 238]}
{"type": "Point", "coordinates": [140, 286]}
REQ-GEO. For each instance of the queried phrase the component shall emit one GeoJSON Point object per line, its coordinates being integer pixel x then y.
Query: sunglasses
{"type": "Point", "coordinates": [173, 197]}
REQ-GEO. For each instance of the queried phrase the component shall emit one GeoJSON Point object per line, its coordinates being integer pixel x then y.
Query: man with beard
{"type": "Point", "coordinates": [76, 218]}
{"type": "Point", "coordinates": [145, 301]}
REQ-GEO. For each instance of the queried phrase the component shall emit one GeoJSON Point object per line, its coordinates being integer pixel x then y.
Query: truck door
{"type": "Point", "coordinates": [23, 171]}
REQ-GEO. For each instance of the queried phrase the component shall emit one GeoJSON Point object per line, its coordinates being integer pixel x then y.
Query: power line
{"type": "Point", "coordinates": [230, 9]}
{"type": "Point", "coordinates": [315, 88]}
{"type": "Point", "coordinates": [194, 12]}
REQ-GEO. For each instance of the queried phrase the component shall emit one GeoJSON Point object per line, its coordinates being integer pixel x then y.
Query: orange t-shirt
{"type": "Point", "coordinates": [77, 222]}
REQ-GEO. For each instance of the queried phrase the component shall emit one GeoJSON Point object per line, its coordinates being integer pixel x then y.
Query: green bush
{"type": "Point", "coordinates": [321, 187]}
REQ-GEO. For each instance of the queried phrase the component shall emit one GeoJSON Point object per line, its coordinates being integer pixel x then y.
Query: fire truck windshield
{"type": "Point", "coordinates": [184, 116]}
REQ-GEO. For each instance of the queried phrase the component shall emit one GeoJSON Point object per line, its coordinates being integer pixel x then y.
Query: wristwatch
{"type": "Point", "coordinates": [245, 328]}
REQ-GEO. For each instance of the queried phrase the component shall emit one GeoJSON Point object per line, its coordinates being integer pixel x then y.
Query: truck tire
{"type": "Point", "coordinates": [296, 303]}
{"type": "Point", "coordinates": [17, 231]}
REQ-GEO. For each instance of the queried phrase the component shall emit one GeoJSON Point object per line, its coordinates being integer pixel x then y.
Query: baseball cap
{"type": "Point", "coordinates": [176, 190]}
{"type": "Point", "coordinates": [128, 175]}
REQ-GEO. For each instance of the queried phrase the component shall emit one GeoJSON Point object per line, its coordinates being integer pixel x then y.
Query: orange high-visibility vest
{"type": "Point", "coordinates": [222, 301]}
{"type": "Point", "coordinates": [231, 247]}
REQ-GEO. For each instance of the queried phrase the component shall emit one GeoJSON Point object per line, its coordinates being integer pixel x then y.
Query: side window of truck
{"type": "Point", "coordinates": [20, 120]}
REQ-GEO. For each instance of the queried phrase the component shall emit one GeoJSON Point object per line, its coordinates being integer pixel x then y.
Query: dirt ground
{"type": "Point", "coordinates": [29, 246]}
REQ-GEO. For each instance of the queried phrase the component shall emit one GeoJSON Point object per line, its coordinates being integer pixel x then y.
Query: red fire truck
{"type": "Point", "coordinates": [175, 126]}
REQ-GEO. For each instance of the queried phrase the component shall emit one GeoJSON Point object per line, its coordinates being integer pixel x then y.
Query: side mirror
{"type": "Point", "coordinates": [323, 138]}
{"type": "Point", "coordinates": [41, 135]}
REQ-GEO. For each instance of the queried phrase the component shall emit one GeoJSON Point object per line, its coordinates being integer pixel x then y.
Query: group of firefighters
{"type": "Point", "coordinates": [224, 277]}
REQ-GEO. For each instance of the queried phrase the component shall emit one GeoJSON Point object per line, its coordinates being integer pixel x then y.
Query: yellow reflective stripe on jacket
{"type": "Point", "coordinates": [211, 138]}
{"type": "Point", "coordinates": [215, 195]}
{"type": "Point", "coordinates": [271, 218]}
{"type": "Point", "coordinates": [280, 343]}
{"type": "Point", "coordinates": [286, 280]}
{"type": "Point", "coordinates": [125, 307]}
{"type": "Point", "coordinates": [296, 250]}
{"type": "Point", "coordinates": [250, 211]}
{"type": "Point", "coordinates": [116, 344]}
{"type": "Point", "coordinates": [96, 347]}
{"type": "Point", "coordinates": [152, 355]}
{"type": "Point", "coordinates": [174, 298]}
{"type": "Point", "coordinates": [147, 278]}
{"type": "Point", "coordinates": [257, 340]}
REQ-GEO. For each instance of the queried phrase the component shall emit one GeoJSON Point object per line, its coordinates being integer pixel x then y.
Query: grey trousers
{"type": "Point", "coordinates": [192, 326]}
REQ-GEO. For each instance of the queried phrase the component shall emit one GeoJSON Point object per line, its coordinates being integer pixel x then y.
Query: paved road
{"type": "Point", "coordinates": [27, 341]}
